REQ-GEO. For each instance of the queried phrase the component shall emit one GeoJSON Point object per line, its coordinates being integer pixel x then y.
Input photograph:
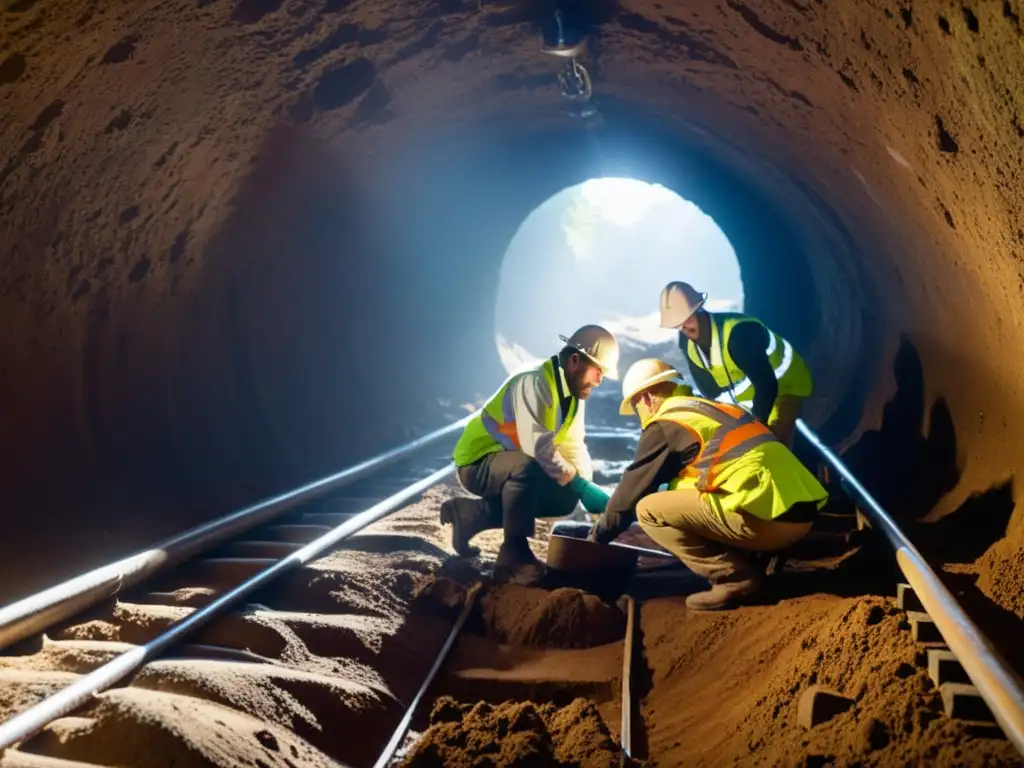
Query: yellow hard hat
{"type": "Point", "coordinates": [678, 302]}
{"type": "Point", "coordinates": [641, 375]}
{"type": "Point", "coordinates": [597, 345]}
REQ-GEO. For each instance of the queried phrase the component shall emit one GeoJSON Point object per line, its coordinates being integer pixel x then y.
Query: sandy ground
{"type": "Point", "coordinates": [335, 649]}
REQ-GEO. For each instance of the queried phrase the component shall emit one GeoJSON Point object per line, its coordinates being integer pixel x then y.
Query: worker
{"type": "Point", "coordinates": [737, 359]}
{"type": "Point", "coordinates": [732, 487]}
{"type": "Point", "coordinates": [524, 454]}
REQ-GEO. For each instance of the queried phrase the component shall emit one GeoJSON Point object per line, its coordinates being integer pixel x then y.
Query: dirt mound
{"type": "Point", "coordinates": [728, 685]}
{"type": "Point", "coordinates": [514, 734]}
{"type": "Point", "coordinates": [1001, 570]}
{"type": "Point", "coordinates": [562, 618]}
{"type": "Point", "coordinates": [342, 643]}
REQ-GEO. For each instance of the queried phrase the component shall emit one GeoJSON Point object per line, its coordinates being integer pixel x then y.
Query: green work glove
{"type": "Point", "coordinates": [593, 499]}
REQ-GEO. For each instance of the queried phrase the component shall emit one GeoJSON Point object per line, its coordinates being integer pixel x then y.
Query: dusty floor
{"type": "Point", "coordinates": [534, 680]}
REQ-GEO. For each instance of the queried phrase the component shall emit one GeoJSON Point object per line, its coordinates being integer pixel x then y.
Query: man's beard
{"type": "Point", "coordinates": [577, 387]}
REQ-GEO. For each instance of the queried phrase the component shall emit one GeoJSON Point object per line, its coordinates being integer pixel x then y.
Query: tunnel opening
{"type": "Point", "coordinates": [502, 172]}
{"type": "Point", "coordinates": [599, 252]}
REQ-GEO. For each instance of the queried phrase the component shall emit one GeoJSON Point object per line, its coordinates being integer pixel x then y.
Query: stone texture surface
{"type": "Point", "coordinates": [220, 216]}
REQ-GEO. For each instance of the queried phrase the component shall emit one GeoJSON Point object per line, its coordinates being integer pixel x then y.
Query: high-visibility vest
{"type": "Point", "coordinates": [494, 428]}
{"type": "Point", "coordinates": [790, 369]}
{"type": "Point", "coordinates": [740, 460]}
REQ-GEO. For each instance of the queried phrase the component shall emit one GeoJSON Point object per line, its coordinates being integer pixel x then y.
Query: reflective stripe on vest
{"type": "Point", "coordinates": [736, 434]}
{"type": "Point", "coordinates": [504, 433]}
{"type": "Point", "coordinates": [735, 390]}
{"type": "Point", "coordinates": [494, 428]}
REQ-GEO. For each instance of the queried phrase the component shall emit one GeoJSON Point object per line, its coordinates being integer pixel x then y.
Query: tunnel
{"type": "Point", "coordinates": [249, 242]}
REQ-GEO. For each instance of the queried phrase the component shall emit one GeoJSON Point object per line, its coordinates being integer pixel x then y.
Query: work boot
{"type": "Point", "coordinates": [517, 563]}
{"type": "Point", "coordinates": [467, 518]}
{"type": "Point", "coordinates": [724, 595]}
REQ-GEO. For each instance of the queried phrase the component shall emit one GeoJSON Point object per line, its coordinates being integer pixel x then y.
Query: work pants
{"type": "Point", "coordinates": [694, 527]}
{"type": "Point", "coordinates": [782, 420]}
{"type": "Point", "coordinates": [514, 491]}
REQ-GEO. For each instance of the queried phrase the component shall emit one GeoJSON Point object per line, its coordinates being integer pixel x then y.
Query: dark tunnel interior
{"type": "Point", "coordinates": [333, 325]}
{"type": "Point", "coordinates": [306, 280]}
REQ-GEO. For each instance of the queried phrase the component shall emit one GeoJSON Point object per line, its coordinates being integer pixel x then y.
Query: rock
{"type": "Point", "coordinates": [819, 704]}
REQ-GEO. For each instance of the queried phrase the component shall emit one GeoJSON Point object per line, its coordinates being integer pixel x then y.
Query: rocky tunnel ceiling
{"type": "Point", "coordinates": [247, 241]}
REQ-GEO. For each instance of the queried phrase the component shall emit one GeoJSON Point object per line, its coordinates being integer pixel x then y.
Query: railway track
{"type": "Point", "coordinates": [248, 551]}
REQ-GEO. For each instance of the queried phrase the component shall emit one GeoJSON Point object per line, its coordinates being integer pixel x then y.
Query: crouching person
{"type": "Point", "coordinates": [524, 454]}
{"type": "Point", "coordinates": [733, 488]}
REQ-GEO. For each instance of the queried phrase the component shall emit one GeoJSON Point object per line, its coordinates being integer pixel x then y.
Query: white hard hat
{"type": "Point", "coordinates": [599, 346]}
{"type": "Point", "coordinates": [678, 302]}
{"type": "Point", "coordinates": [641, 375]}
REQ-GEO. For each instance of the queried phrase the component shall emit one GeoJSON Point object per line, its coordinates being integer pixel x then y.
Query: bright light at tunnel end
{"type": "Point", "coordinates": [617, 241]}
{"type": "Point", "coordinates": [621, 200]}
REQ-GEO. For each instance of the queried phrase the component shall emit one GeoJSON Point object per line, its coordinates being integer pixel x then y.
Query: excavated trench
{"type": "Point", "coordinates": [536, 679]}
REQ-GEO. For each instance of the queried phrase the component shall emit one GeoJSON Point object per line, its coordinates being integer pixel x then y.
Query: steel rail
{"type": "Point", "coordinates": [403, 726]}
{"type": "Point", "coordinates": [35, 613]}
{"type": "Point", "coordinates": [626, 723]}
{"type": "Point", "coordinates": [1000, 687]}
{"type": "Point", "coordinates": [29, 722]}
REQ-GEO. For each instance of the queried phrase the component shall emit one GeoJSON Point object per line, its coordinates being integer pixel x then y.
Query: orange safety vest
{"type": "Point", "coordinates": [725, 433]}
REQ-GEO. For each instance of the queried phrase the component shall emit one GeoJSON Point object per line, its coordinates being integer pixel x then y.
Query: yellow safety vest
{"type": "Point", "coordinates": [740, 460]}
{"type": "Point", "coordinates": [494, 428]}
{"type": "Point", "coordinates": [790, 369]}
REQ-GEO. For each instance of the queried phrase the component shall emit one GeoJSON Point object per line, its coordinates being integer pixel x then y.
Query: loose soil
{"type": "Point", "coordinates": [725, 688]}
{"type": "Point", "coordinates": [563, 618]}
{"type": "Point", "coordinates": [337, 647]}
{"type": "Point", "coordinates": [514, 734]}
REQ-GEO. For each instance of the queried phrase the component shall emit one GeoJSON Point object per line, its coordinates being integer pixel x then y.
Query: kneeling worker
{"type": "Point", "coordinates": [736, 358]}
{"type": "Point", "coordinates": [732, 486]}
{"type": "Point", "coordinates": [524, 453]}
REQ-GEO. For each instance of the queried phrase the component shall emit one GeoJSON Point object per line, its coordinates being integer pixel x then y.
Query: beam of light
{"type": "Point", "coordinates": [622, 201]}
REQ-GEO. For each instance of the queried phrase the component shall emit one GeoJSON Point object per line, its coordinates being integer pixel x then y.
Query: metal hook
{"type": "Point", "coordinates": [574, 81]}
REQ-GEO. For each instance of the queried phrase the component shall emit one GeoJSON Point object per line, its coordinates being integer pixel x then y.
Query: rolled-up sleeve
{"type": "Point", "coordinates": [530, 398]}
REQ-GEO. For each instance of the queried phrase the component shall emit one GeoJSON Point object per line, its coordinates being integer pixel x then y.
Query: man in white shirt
{"type": "Point", "coordinates": [524, 454]}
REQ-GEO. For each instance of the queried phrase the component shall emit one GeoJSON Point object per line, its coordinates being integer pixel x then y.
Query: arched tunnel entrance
{"type": "Point", "coordinates": [597, 252]}
{"type": "Point", "coordinates": [248, 243]}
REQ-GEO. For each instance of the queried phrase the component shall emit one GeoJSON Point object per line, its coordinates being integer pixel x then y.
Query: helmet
{"type": "Point", "coordinates": [678, 302]}
{"type": "Point", "coordinates": [641, 375]}
{"type": "Point", "coordinates": [598, 346]}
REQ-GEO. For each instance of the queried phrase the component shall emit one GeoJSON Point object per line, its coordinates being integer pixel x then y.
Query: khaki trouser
{"type": "Point", "coordinates": [692, 526]}
{"type": "Point", "coordinates": [782, 420]}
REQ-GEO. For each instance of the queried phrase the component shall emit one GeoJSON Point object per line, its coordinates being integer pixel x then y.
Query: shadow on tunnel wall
{"type": "Point", "coordinates": [908, 472]}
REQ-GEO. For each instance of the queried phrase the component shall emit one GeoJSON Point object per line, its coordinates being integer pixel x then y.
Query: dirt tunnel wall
{"type": "Point", "coordinates": [226, 224]}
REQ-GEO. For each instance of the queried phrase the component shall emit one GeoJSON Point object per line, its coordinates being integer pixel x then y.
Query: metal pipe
{"type": "Point", "coordinates": [1000, 687]}
{"type": "Point", "coordinates": [875, 511]}
{"type": "Point", "coordinates": [29, 722]}
{"type": "Point", "coordinates": [625, 728]}
{"type": "Point", "coordinates": [37, 612]}
{"type": "Point", "coordinates": [403, 726]}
